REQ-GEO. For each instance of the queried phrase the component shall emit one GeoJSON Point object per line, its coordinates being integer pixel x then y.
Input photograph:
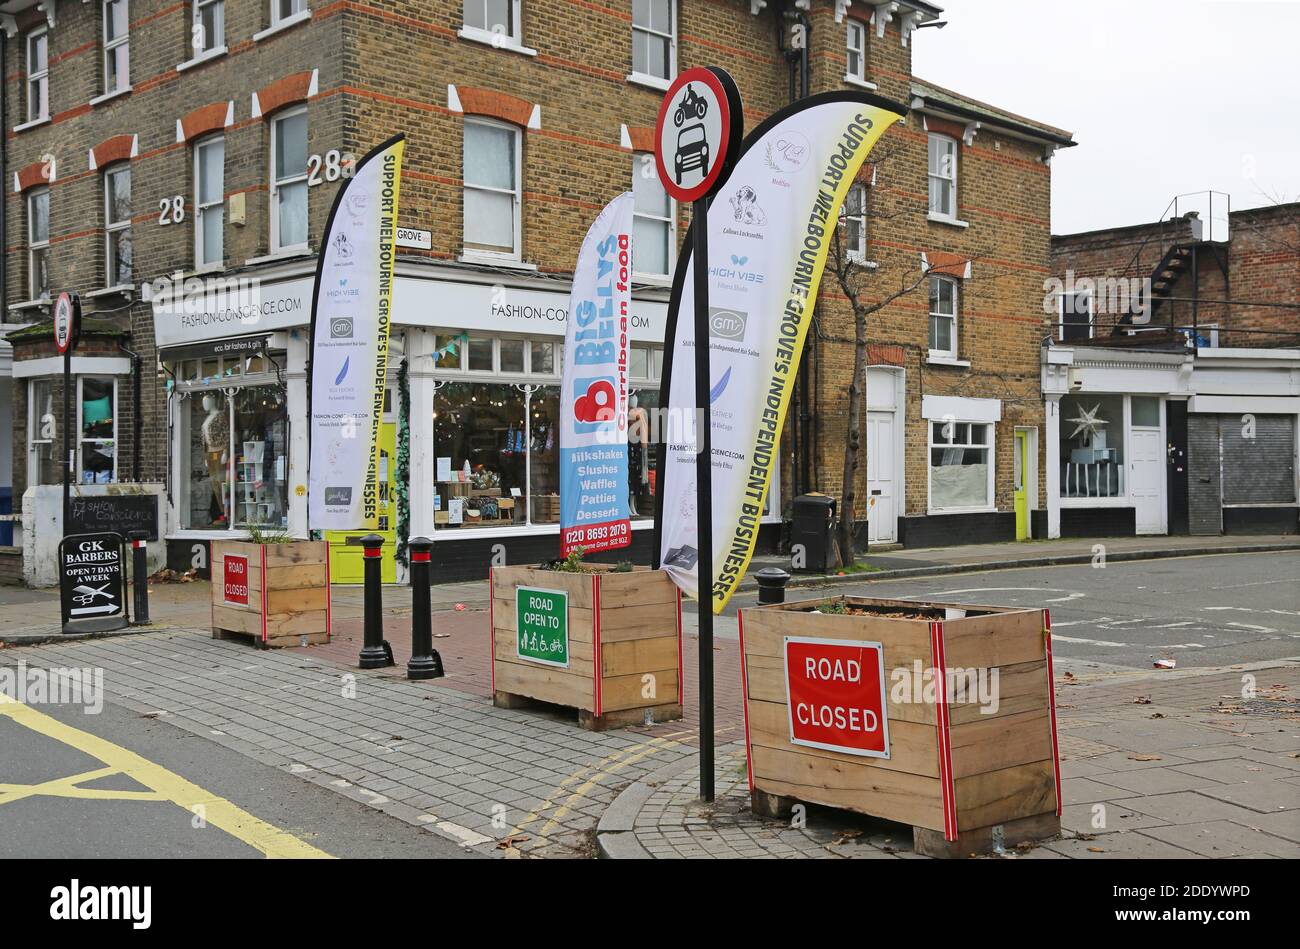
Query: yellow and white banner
{"type": "Point", "coordinates": [351, 310]}
{"type": "Point", "coordinates": [770, 230]}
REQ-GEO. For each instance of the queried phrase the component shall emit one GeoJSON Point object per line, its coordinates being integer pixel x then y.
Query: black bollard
{"type": "Point", "coordinates": [375, 651]}
{"type": "Point", "coordinates": [140, 577]}
{"type": "Point", "coordinates": [425, 663]}
{"type": "Point", "coordinates": [771, 584]}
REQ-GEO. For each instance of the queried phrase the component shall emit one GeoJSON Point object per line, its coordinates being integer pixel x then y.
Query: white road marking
{"type": "Point", "coordinates": [1254, 628]}
{"type": "Point", "coordinates": [1088, 642]}
{"type": "Point", "coordinates": [469, 838]}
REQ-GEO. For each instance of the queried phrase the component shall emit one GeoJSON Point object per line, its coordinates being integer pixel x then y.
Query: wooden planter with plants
{"type": "Point", "coordinates": [843, 708]}
{"type": "Point", "coordinates": [601, 639]}
{"type": "Point", "coordinates": [276, 593]}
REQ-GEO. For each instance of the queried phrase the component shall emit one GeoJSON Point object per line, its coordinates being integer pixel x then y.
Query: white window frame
{"type": "Point", "coordinates": [956, 308]}
{"type": "Point", "coordinates": [638, 165]}
{"type": "Point", "coordinates": [486, 34]}
{"type": "Point", "coordinates": [1125, 446]}
{"type": "Point", "coordinates": [650, 79]}
{"type": "Point", "coordinates": [278, 183]}
{"type": "Point", "coordinates": [201, 207]}
{"type": "Point", "coordinates": [211, 45]}
{"type": "Point", "coordinates": [858, 254]}
{"type": "Point", "coordinates": [81, 441]}
{"type": "Point", "coordinates": [112, 227]}
{"type": "Point", "coordinates": [33, 427]}
{"type": "Point", "coordinates": [516, 254]}
{"type": "Point", "coordinates": [855, 30]}
{"type": "Point", "coordinates": [38, 80]}
{"type": "Point", "coordinates": [34, 246]}
{"type": "Point", "coordinates": [111, 46]}
{"type": "Point", "coordinates": [990, 447]}
{"type": "Point", "coordinates": [950, 180]}
{"type": "Point", "coordinates": [1060, 314]}
{"type": "Point", "coordinates": [300, 10]}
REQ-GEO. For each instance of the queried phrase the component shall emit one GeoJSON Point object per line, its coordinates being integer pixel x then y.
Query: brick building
{"type": "Point", "coordinates": [188, 153]}
{"type": "Point", "coordinates": [1173, 381]}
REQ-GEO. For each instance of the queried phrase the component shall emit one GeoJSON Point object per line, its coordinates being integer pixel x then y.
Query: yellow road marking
{"type": "Point", "coordinates": [270, 840]}
{"type": "Point", "coordinates": [67, 787]}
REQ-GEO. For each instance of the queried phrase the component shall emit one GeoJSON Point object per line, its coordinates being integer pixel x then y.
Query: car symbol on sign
{"type": "Point", "coordinates": [692, 151]}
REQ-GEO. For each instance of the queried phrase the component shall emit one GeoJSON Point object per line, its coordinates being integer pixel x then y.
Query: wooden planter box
{"type": "Point", "coordinates": [279, 594]}
{"type": "Point", "coordinates": [967, 774]}
{"type": "Point", "coordinates": [621, 627]}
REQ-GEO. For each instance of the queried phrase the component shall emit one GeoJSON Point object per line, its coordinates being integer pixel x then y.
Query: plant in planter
{"type": "Point", "coordinates": [272, 587]}
{"type": "Point", "coordinates": [937, 715]}
{"type": "Point", "coordinates": [605, 640]}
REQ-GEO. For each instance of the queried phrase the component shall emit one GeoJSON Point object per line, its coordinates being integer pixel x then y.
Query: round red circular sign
{"type": "Point", "coordinates": [693, 134]}
{"type": "Point", "coordinates": [63, 322]}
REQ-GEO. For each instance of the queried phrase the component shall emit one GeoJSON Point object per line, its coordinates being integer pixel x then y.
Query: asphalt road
{"type": "Point", "coordinates": [300, 815]}
{"type": "Point", "coordinates": [1199, 611]}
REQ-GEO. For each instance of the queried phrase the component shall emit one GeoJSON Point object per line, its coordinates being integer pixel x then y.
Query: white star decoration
{"type": "Point", "coordinates": [1087, 422]}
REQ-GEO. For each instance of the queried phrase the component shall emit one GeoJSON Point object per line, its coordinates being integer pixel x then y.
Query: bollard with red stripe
{"type": "Point", "coordinates": [425, 663]}
{"type": "Point", "coordinates": [375, 651]}
{"type": "Point", "coordinates": [140, 577]}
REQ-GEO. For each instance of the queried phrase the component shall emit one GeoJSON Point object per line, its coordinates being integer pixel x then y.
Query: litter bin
{"type": "Point", "coordinates": [813, 530]}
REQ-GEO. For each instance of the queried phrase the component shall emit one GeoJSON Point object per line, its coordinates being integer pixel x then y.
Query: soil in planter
{"type": "Point", "coordinates": [839, 608]}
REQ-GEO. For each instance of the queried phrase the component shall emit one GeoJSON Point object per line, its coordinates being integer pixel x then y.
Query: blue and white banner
{"type": "Point", "coordinates": [593, 393]}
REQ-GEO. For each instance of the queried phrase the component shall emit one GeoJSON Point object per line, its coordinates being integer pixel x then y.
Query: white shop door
{"type": "Point", "coordinates": [882, 513]}
{"type": "Point", "coordinates": [1147, 480]}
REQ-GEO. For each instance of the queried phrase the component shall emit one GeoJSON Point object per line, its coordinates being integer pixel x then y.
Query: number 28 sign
{"type": "Point", "coordinates": [835, 690]}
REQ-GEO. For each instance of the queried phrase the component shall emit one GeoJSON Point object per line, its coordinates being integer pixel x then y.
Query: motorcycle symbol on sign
{"type": "Point", "coordinates": [690, 105]}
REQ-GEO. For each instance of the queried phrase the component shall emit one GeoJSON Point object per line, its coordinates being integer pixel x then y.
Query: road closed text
{"type": "Point", "coordinates": [836, 695]}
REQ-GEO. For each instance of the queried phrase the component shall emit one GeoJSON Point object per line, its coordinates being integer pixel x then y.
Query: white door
{"type": "Point", "coordinates": [1147, 480]}
{"type": "Point", "coordinates": [882, 516]}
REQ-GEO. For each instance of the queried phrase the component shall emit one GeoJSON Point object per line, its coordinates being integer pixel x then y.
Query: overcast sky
{"type": "Point", "coordinates": [1163, 96]}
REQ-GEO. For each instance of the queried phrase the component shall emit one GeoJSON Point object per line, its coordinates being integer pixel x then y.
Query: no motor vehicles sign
{"type": "Point", "coordinates": [835, 691]}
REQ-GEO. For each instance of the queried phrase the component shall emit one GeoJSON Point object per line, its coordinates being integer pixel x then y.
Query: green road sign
{"type": "Point", "coordinates": [543, 626]}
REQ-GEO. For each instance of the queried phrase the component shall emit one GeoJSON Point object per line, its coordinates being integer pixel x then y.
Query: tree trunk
{"type": "Point", "coordinates": [853, 443]}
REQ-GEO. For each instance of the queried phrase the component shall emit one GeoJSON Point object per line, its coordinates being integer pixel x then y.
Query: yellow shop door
{"type": "Point", "coordinates": [1021, 491]}
{"type": "Point", "coordinates": [346, 552]}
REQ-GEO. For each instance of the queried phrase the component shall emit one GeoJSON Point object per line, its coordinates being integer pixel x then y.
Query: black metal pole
{"type": "Point", "coordinates": [140, 576]}
{"type": "Point", "coordinates": [425, 663]}
{"type": "Point", "coordinates": [375, 651]}
{"type": "Point", "coordinates": [704, 492]}
{"type": "Point", "coordinates": [67, 440]}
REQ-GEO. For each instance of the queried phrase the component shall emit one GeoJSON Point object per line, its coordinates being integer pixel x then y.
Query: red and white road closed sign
{"type": "Point", "coordinates": [236, 580]}
{"type": "Point", "coordinates": [835, 690]}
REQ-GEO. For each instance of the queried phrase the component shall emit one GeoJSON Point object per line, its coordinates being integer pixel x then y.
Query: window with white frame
{"type": "Point", "coordinates": [38, 75]}
{"type": "Point", "coordinates": [282, 10]}
{"type": "Point", "coordinates": [856, 51]}
{"type": "Point", "coordinates": [1074, 316]}
{"type": "Point", "coordinates": [943, 317]}
{"type": "Point", "coordinates": [854, 217]}
{"type": "Point", "coordinates": [653, 240]}
{"type": "Point", "coordinates": [209, 201]}
{"type": "Point", "coordinates": [653, 38]}
{"type": "Point", "coordinates": [97, 436]}
{"type": "Point", "coordinates": [38, 242]}
{"type": "Point", "coordinates": [961, 465]}
{"type": "Point", "coordinates": [492, 190]}
{"type": "Point", "coordinates": [943, 176]}
{"type": "Point", "coordinates": [289, 180]}
{"type": "Point", "coordinates": [117, 46]}
{"type": "Point", "coordinates": [117, 225]}
{"type": "Point", "coordinates": [208, 31]}
{"type": "Point", "coordinates": [493, 18]}
{"type": "Point", "coordinates": [42, 427]}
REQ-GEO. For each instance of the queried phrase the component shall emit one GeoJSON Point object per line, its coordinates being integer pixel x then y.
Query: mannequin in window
{"type": "Point", "coordinates": [216, 445]}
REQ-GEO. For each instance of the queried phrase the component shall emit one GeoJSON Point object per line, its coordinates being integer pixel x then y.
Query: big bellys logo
{"type": "Point", "coordinates": [600, 344]}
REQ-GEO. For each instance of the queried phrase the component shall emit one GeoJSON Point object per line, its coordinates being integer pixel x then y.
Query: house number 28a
{"type": "Point", "coordinates": [331, 166]}
{"type": "Point", "coordinates": [173, 210]}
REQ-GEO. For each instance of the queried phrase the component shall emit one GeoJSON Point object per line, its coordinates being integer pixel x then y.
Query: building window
{"type": "Point", "coordinates": [38, 242]}
{"type": "Point", "coordinates": [97, 444]}
{"type": "Point", "coordinates": [854, 217]}
{"type": "Point", "coordinates": [494, 18]}
{"type": "Point", "coordinates": [1075, 316]}
{"type": "Point", "coordinates": [1092, 446]}
{"type": "Point", "coordinates": [491, 174]}
{"type": "Point", "coordinates": [38, 75]}
{"type": "Point", "coordinates": [943, 317]}
{"type": "Point", "coordinates": [209, 203]}
{"type": "Point", "coordinates": [117, 47]}
{"type": "Point", "coordinates": [209, 29]}
{"type": "Point", "coordinates": [117, 226]}
{"type": "Point", "coordinates": [289, 181]}
{"type": "Point", "coordinates": [653, 240]}
{"type": "Point", "coordinates": [961, 468]}
{"type": "Point", "coordinates": [857, 51]}
{"type": "Point", "coordinates": [652, 38]}
{"type": "Point", "coordinates": [282, 10]}
{"type": "Point", "coordinates": [42, 427]}
{"type": "Point", "coordinates": [943, 176]}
